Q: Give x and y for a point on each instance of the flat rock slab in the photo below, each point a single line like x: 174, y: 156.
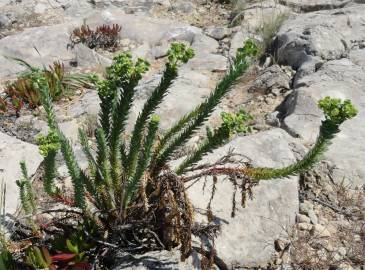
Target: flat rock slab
x: 247, y: 240
x: 315, y: 5
x: 12, y: 152
x: 41, y: 46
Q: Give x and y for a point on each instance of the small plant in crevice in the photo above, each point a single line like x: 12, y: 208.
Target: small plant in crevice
x: 23, y: 91
x: 269, y: 28
x: 90, y: 124
x: 103, y: 37
x: 137, y: 201
x: 238, y: 121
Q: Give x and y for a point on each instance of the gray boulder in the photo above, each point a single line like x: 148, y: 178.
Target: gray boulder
x: 303, y: 116
x: 42, y: 46
x: 183, y: 6
x: 218, y: 33
x: 5, y: 21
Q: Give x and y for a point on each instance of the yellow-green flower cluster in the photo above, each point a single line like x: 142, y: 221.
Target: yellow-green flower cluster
x: 49, y: 143
x: 124, y: 69
x: 179, y: 53
x: 337, y: 110
x: 249, y: 49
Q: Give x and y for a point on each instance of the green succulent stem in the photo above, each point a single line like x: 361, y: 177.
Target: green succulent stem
x: 50, y: 173
x: 336, y: 112
x: 144, y: 159
x: 213, y: 141
x: 327, y: 132
x: 150, y: 106
x: 65, y: 146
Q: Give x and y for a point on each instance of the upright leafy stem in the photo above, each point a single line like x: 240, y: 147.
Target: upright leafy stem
x: 48, y: 147
x: 177, y: 55
x: 186, y: 127
x: 231, y: 123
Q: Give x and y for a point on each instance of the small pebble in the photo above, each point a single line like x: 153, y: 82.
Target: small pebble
x: 304, y: 226
x: 302, y: 218
x: 320, y: 231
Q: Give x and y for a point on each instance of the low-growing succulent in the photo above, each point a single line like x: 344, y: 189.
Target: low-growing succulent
x: 104, y: 36
x: 24, y: 90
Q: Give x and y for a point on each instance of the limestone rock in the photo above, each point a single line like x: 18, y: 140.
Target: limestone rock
x: 320, y: 231
x: 303, y: 116
x: 12, y: 152
x: 4, y: 21
x: 313, y: 217
x: 327, y: 49
x: 218, y: 33
x: 338, y: 79
x: 270, y: 79
x: 323, y: 35
x: 42, y: 46
x: 315, y: 5
x: 183, y: 6
x: 304, y: 226
x: 305, y: 207
x: 302, y: 219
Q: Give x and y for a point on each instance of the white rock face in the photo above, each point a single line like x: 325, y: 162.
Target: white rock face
x: 315, y: 5
x: 326, y: 48
x: 247, y: 239
x: 12, y: 152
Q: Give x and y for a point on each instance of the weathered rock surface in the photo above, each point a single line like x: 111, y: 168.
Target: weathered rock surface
x: 50, y: 41
x: 315, y: 5
x: 218, y: 33
x: 42, y: 46
x: 12, y: 152
x: 320, y: 36
x: 247, y: 240
x: 272, y: 79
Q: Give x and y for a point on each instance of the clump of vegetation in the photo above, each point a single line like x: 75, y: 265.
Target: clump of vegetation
x: 104, y: 37
x: 23, y: 90
x: 132, y: 197
x: 270, y: 27
x: 70, y: 253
